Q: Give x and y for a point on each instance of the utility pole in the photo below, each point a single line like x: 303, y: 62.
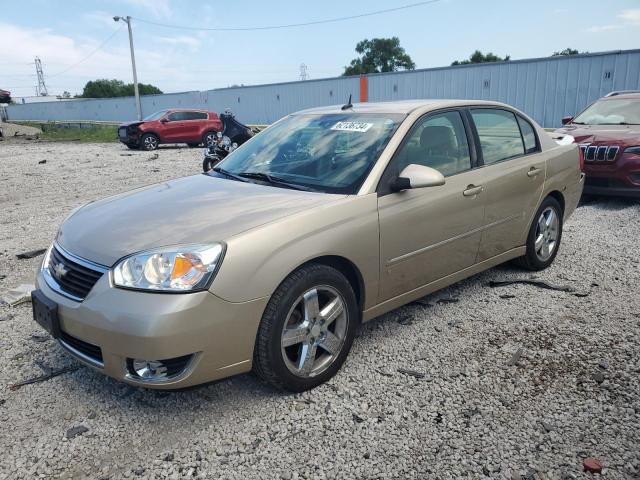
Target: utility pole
x: 303, y: 72
x: 127, y: 19
x: 41, y: 89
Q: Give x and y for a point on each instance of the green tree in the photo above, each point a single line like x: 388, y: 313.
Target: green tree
x: 567, y: 51
x: 479, y: 57
x: 104, y: 88
x: 379, y: 55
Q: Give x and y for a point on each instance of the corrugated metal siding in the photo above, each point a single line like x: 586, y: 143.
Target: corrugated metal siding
x: 546, y: 89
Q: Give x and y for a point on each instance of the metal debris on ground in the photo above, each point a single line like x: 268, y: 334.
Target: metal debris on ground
x: 31, y: 253
x: 535, y: 283
x: 75, y: 431
x: 411, y: 373
x: 41, y: 162
x: 41, y: 378
x: 515, y: 358
x: 18, y: 295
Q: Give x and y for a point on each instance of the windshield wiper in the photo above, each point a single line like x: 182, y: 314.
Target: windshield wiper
x: 229, y: 174
x: 578, y: 123
x: 265, y: 177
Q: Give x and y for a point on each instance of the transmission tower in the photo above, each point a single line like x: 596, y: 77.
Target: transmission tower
x: 303, y: 72
x: 41, y: 89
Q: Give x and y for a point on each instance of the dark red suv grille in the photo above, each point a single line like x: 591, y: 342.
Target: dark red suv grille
x: 599, y: 153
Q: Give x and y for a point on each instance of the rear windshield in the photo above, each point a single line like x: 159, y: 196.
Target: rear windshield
x: 331, y: 153
x: 619, y: 111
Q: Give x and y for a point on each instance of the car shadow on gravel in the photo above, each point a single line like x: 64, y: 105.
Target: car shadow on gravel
x: 608, y: 203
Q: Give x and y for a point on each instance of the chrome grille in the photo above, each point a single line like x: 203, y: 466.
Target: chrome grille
x: 70, y: 275
x: 599, y: 153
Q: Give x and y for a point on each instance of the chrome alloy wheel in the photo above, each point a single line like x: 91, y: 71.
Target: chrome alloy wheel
x: 209, y: 139
x: 314, y: 331
x: 150, y: 142
x: 547, y: 234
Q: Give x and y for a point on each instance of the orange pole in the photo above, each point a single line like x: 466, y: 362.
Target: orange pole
x: 364, y: 94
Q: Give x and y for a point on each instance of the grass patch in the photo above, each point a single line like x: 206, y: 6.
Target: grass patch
x: 85, y: 134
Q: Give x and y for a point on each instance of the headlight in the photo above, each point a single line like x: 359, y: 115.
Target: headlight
x: 226, y: 141
x: 172, y: 269
x: 635, y: 150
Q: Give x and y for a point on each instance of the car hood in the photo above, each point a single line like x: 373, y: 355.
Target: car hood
x: 131, y: 124
x: 196, y: 209
x: 622, y: 135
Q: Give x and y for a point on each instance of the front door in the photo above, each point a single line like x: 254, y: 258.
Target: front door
x: 175, y: 128
x: 514, y: 174
x: 429, y: 233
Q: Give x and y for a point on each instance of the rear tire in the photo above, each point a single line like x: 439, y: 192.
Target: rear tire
x: 149, y: 142
x: 209, y: 138
x: 544, y: 236
x: 306, y: 330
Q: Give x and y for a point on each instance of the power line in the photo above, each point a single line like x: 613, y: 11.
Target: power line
x: 290, y: 25
x: 88, y: 56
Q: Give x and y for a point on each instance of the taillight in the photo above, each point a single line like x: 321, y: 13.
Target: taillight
x: 581, y: 155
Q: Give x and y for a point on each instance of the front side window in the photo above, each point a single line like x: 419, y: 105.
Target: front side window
x: 499, y: 134
x: 331, y: 153
x: 176, y: 116
x: 439, y: 142
x: 611, y: 111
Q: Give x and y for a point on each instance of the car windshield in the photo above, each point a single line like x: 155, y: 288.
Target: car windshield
x: 619, y: 111
x: 155, y: 116
x: 331, y: 153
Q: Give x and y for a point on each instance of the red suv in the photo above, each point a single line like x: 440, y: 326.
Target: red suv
x: 608, y: 132
x: 193, y: 127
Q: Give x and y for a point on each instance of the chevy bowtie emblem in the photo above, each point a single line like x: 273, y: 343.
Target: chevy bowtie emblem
x: 60, y: 270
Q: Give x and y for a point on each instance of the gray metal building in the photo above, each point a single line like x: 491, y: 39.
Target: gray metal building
x: 545, y: 88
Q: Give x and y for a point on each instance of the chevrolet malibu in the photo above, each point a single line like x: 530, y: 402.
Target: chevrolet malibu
x: 329, y: 218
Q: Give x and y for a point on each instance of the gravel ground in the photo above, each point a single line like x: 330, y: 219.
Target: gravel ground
x: 514, y: 382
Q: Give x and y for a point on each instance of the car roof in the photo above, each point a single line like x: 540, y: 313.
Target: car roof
x: 400, y: 106
x: 622, y: 95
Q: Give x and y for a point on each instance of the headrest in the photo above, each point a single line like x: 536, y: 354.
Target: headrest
x: 438, y: 138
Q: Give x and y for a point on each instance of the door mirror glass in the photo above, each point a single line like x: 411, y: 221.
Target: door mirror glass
x: 566, y: 120
x: 164, y: 120
x: 417, y: 176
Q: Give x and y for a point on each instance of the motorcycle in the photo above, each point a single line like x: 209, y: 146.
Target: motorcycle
x: 232, y: 136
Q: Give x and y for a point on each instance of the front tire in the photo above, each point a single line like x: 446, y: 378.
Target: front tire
x: 307, y: 329
x: 149, y: 142
x: 544, y: 236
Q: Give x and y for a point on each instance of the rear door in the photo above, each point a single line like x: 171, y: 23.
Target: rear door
x: 429, y: 233
x: 195, y: 123
x: 514, y: 172
x: 174, y: 129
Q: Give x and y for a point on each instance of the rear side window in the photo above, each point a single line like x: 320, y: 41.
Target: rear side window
x: 499, y: 134
x: 195, y: 116
x: 528, y: 135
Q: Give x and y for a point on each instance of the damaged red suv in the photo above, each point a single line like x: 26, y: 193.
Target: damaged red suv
x: 193, y: 127
x: 608, y: 132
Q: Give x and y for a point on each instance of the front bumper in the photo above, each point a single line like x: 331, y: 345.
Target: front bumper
x: 619, y: 178
x: 128, y: 137
x: 127, y: 324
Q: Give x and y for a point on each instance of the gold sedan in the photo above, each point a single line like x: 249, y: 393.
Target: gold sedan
x: 327, y: 219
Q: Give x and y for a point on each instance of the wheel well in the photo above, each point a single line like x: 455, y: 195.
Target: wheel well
x: 348, y: 269
x: 559, y: 197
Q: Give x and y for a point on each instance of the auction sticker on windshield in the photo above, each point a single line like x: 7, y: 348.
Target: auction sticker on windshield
x: 352, y: 126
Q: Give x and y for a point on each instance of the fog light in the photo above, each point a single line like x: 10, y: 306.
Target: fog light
x: 149, y: 369
x: 158, y: 370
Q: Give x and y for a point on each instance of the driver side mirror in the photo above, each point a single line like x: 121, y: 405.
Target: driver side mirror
x: 566, y: 120
x: 164, y: 120
x: 417, y: 176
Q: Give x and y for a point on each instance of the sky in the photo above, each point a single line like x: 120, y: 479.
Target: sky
x: 78, y: 41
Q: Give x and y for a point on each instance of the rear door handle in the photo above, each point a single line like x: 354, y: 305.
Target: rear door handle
x: 534, y: 172
x: 472, y: 190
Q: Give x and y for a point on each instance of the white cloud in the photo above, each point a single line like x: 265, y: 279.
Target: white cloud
x: 99, y: 17
x: 603, y: 28
x: 157, y: 8
x: 631, y: 16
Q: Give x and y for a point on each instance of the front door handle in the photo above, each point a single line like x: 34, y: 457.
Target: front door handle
x: 472, y: 190
x: 534, y: 172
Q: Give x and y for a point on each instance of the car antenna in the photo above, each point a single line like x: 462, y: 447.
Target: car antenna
x: 347, y: 105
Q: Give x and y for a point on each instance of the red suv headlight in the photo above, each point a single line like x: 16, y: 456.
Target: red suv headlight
x: 635, y: 150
